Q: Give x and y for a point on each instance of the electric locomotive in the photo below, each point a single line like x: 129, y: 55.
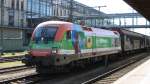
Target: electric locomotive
x: 58, y: 43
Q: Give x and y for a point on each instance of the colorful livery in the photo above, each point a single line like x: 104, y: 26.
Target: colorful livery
x: 58, y: 43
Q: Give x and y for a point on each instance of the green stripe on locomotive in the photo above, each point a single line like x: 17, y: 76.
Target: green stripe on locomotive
x: 104, y: 42
x: 42, y: 45
x: 66, y: 43
x: 97, y: 42
x: 101, y: 42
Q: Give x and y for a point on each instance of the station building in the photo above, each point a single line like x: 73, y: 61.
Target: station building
x: 57, y: 9
x: 12, y: 22
x: 18, y: 18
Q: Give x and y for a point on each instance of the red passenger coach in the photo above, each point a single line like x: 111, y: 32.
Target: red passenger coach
x: 131, y: 41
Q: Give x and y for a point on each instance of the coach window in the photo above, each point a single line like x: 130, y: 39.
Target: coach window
x: 68, y: 35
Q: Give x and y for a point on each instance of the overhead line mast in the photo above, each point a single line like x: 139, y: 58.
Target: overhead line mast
x: 70, y: 18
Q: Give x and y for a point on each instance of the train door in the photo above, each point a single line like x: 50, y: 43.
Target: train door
x: 79, y: 39
x: 75, y: 41
x: 68, y: 39
x: 77, y: 48
x: 94, y: 44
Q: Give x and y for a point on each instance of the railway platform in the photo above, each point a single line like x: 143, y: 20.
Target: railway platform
x: 139, y: 75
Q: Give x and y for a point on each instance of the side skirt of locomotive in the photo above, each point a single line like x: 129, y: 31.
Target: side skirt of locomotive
x: 58, y: 63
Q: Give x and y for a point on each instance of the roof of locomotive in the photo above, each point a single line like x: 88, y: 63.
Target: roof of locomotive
x: 102, y: 32
x: 53, y: 23
x: 97, y: 31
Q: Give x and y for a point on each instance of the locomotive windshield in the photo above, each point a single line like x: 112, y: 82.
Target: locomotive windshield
x: 44, y: 34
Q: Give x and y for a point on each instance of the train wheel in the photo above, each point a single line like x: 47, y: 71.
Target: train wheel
x: 43, y: 70
x: 39, y: 70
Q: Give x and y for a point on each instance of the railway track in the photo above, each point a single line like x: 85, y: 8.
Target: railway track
x: 11, y: 69
x: 16, y: 74
x: 11, y: 59
x: 29, y: 76
x: 24, y: 79
x: 90, y: 76
x: 114, y: 74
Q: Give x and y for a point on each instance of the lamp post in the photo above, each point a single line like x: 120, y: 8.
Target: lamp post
x: 99, y: 8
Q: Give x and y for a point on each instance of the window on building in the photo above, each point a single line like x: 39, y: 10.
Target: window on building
x: 22, y: 5
x: 61, y: 12
x: 11, y: 20
x: 21, y: 20
x: 66, y: 13
x: 1, y: 2
x: 5, y: 1
x: 17, y: 5
x: 54, y: 12
x: 13, y: 4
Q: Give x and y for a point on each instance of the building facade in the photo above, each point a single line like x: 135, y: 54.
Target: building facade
x: 19, y: 17
x: 43, y: 10
x: 12, y: 13
x: 12, y: 22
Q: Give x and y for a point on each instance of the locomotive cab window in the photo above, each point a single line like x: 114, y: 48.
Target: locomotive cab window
x: 44, y: 34
x: 68, y: 34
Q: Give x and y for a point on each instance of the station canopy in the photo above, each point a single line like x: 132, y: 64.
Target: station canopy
x: 142, y: 6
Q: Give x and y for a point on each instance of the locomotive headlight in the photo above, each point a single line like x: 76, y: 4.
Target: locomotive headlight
x: 54, y: 50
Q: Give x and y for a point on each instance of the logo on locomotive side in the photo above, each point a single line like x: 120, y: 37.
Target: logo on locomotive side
x: 89, y: 42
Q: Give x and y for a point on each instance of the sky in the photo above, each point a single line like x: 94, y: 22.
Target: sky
x: 112, y: 6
